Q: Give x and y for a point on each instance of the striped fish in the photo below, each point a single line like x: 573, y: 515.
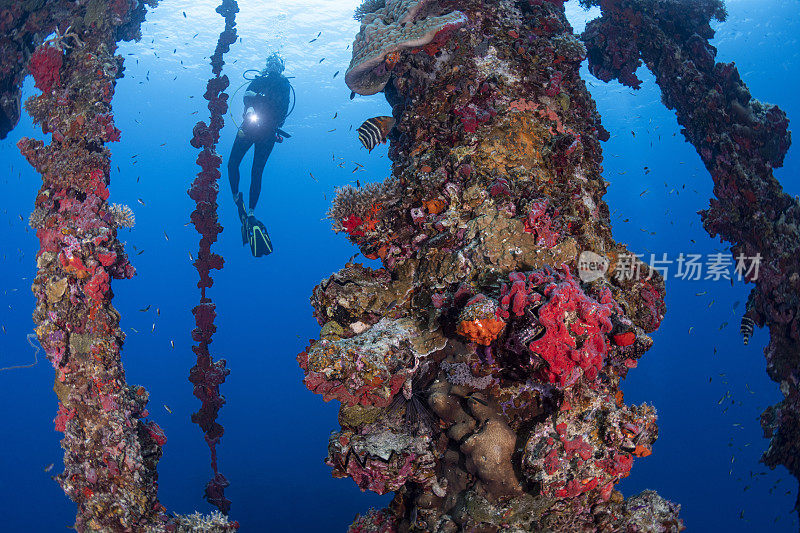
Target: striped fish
x: 746, y: 329
x: 374, y: 131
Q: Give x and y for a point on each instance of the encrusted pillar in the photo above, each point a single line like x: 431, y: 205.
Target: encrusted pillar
x: 479, y: 369
x: 110, y: 449
x: 740, y: 140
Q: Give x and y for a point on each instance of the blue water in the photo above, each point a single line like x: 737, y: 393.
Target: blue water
x: 276, y: 431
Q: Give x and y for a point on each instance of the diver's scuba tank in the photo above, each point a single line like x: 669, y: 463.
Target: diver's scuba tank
x: 257, y: 74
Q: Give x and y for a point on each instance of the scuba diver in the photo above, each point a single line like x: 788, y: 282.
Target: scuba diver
x: 266, y: 108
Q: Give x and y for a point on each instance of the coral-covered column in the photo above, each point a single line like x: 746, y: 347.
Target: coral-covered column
x: 740, y: 141
x: 110, y: 450
x: 479, y: 369
x: 207, y: 375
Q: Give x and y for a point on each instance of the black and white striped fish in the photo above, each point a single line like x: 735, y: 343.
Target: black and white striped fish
x: 746, y: 329
x: 374, y: 131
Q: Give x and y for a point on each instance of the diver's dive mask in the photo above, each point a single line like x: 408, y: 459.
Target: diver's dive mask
x: 275, y: 64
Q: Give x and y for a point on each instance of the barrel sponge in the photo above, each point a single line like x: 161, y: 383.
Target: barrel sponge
x: 390, y: 29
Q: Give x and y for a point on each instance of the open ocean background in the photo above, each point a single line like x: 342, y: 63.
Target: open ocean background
x: 276, y: 435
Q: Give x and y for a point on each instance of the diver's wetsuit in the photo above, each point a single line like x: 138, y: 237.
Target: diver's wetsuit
x: 269, y: 97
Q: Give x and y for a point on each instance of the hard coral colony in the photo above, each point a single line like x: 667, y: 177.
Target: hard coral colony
x: 495, y: 188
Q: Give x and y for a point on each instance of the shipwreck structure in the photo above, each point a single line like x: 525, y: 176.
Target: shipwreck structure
x: 111, y: 449
x: 740, y: 140
x: 478, y: 374
x: 479, y: 367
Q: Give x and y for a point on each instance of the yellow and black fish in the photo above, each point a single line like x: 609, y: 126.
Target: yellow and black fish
x: 374, y: 131
x: 746, y: 328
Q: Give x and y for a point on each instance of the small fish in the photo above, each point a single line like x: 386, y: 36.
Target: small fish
x: 482, y: 402
x: 374, y: 131
x: 140, y: 201
x: 312, y: 177
x: 172, y: 343
x: 701, y: 293
x: 321, y: 60
x: 167, y: 408
x: 312, y: 40
x: 191, y: 257
x: 145, y: 309
x: 334, y: 116
x: 184, y: 14
x: 166, y: 236
x: 746, y: 329
x: 643, y: 192
x: 49, y: 467
x: 154, y: 327
x: 335, y: 73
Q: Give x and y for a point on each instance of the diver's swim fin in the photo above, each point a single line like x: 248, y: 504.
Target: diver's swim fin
x: 260, y: 243
x: 284, y: 134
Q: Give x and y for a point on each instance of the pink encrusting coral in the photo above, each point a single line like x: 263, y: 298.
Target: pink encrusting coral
x: 382, y: 461
x: 574, y: 327
x: 24, y: 26
x: 570, y: 458
x: 540, y: 223
x: 479, y: 377
x: 740, y: 140
x: 367, y: 369
x: 45, y: 64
